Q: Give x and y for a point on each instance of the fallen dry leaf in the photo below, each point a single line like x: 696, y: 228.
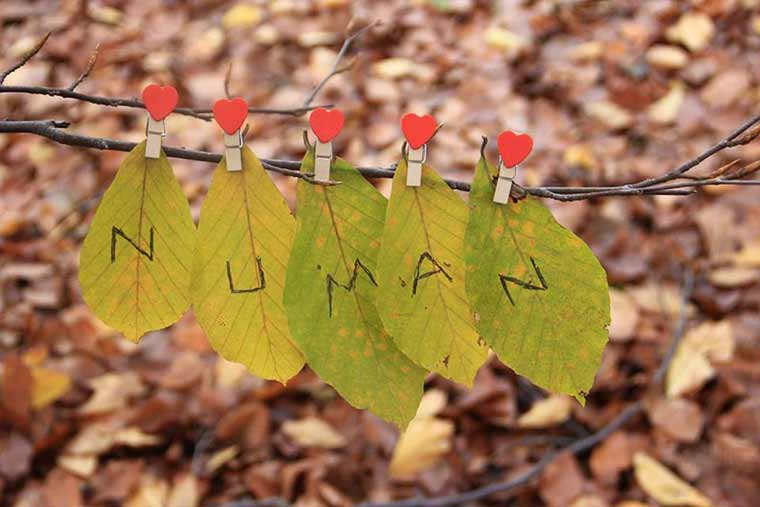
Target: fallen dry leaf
x: 394, y: 68
x: 49, y: 385
x: 748, y: 256
x: 313, y: 432
x: 112, y: 391
x: 219, y: 458
x: 504, y: 40
x: 611, y: 457
x: 81, y: 466
x: 547, y: 412
x: 691, y: 366
x: 93, y: 440
x: 667, y: 57
x: 562, y: 482
x: 61, y: 489
x: 609, y: 114
x: 679, y: 419
x: 589, y: 501
x: 581, y: 155
x: 135, y: 437
x: 186, y: 492
x: 660, y: 298
x: 242, y: 16
x: 229, y: 374
x: 694, y: 30
x: 152, y: 492
x: 425, y: 440
x: 625, y: 316
x: 731, y: 277
x: 665, y: 110
x: 665, y: 486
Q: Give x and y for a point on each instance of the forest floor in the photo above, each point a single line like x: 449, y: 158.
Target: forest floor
x: 610, y: 91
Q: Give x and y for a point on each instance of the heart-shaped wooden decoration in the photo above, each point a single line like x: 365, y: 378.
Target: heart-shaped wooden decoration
x: 230, y: 114
x: 513, y: 147
x: 160, y: 101
x: 326, y: 124
x: 417, y: 129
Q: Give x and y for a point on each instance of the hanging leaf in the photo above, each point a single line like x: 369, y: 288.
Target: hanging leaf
x: 331, y: 290
x: 135, y: 261
x: 421, y: 295
x: 244, y: 238
x: 539, y: 294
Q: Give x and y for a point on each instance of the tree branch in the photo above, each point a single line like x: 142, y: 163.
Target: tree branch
x: 335, y: 68
x: 53, y: 130
x: 70, y: 93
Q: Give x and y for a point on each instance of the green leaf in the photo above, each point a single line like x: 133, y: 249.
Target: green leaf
x: 421, y: 297
x: 135, y: 261
x: 539, y: 293
x: 244, y: 238
x: 330, y: 295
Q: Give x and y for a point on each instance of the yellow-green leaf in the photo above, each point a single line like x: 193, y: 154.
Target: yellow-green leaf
x: 421, y: 296
x: 539, y: 294
x: 135, y: 261
x: 330, y: 296
x: 244, y: 238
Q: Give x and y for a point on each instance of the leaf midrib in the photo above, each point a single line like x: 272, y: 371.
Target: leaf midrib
x: 139, y: 240
x: 253, y: 251
x: 437, y: 279
x: 367, y: 326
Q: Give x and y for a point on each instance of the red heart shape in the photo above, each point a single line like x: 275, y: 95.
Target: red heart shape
x: 417, y: 129
x: 514, y: 148
x: 326, y: 124
x: 230, y: 114
x: 160, y: 101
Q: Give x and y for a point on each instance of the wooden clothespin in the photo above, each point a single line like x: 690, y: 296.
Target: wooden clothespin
x: 417, y: 130
x: 230, y: 114
x: 513, y: 149
x: 326, y: 125
x: 160, y: 101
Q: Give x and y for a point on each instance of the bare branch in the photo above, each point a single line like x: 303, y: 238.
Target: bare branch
x: 28, y: 56
x: 52, y: 130
x: 202, y: 114
x: 336, y: 69
x: 733, y: 139
x: 227, y: 78
x: 87, y: 70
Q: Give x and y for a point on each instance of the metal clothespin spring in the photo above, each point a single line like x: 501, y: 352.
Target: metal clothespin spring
x: 155, y: 130
x: 504, y: 183
x: 323, y: 156
x: 233, y: 154
x: 415, y: 158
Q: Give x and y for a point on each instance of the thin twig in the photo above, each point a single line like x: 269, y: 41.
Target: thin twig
x: 87, y: 70
x: 202, y: 114
x: 335, y: 67
x: 733, y: 139
x: 227, y: 79
x: 28, y: 56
